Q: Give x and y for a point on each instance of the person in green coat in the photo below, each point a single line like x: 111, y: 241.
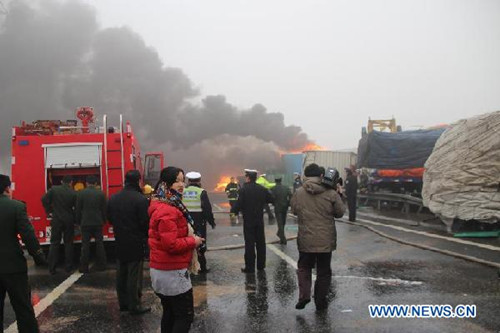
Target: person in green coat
x: 90, y: 215
x: 59, y: 202
x: 281, y: 195
x: 13, y: 269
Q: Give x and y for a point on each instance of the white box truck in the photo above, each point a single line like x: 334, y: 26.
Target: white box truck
x: 327, y: 158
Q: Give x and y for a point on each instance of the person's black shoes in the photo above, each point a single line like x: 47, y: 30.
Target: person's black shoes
x: 246, y: 270
x: 204, y: 271
x: 52, y: 272
x: 123, y: 308
x: 139, y: 311
x: 302, y: 304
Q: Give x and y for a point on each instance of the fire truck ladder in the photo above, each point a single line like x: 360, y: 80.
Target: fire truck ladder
x: 115, y: 173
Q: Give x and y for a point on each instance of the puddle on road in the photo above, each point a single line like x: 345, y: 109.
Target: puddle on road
x: 58, y: 324
x: 202, y: 292
x: 397, y: 275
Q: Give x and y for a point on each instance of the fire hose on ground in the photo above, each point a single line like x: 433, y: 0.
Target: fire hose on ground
x: 382, y: 234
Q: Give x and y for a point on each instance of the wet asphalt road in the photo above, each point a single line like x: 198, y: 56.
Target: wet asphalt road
x: 227, y: 300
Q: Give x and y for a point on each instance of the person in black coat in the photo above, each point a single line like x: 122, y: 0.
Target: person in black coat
x: 351, y: 192
x: 59, y: 203
x: 127, y: 211
x: 252, y: 198
x: 13, y: 269
x: 90, y: 213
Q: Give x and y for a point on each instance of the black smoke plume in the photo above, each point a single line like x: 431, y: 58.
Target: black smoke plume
x: 54, y: 57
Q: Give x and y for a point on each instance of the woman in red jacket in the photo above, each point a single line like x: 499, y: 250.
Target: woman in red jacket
x: 171, y: 251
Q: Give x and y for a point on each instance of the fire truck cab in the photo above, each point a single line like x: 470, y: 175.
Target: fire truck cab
x: 44, y: 151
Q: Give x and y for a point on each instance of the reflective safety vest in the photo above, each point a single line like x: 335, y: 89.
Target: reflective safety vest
x: 264, y: 182
x: 232, y: 191
x: 192, y: 198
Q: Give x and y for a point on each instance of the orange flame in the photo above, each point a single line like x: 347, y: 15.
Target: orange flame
x: 221, y: 185
x: 307, y: 147
x: 312, y: 146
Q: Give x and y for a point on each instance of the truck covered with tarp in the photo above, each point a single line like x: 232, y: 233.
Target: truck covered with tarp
x: 398, y: 150
x: 462, y: 175
x: 395, y: 161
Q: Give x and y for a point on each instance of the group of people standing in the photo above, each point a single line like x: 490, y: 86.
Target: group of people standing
x: 67, y: 208
x: 174, y: 221
x: 171, y: 223
x: 316, y: 207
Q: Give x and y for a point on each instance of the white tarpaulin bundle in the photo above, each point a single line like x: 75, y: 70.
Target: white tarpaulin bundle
x: 462, y: 175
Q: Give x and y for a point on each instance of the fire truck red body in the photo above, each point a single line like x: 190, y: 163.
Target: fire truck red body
x: 45, y: 151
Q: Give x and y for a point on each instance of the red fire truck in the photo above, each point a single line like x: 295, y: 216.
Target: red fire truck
x: 44, y: 151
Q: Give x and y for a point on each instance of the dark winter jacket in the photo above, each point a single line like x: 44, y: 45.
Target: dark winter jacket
x: 14, y: 221
x: 281, y: 195
x: 252, y: 198
x: 90, y: 208
x: 60, y: 201
x: 232, y: 191
x: 351, y: 186
x: 128, y: 213
x: 316, y: 207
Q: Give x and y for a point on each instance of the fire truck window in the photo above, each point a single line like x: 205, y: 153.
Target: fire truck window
x: 134, y: 157
x: 151, y: 164
x: 152, y: 170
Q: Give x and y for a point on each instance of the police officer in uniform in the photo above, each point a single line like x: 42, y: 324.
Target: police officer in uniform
x: 195, y: 198
x: 251, y: 201
x: 60, y: 202
x: 13, y: 269
x: 232, y: 194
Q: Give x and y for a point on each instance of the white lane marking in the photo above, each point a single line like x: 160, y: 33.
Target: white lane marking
x: 424, y: 233
x: 218, y: 207
x: 381, y: 280
x: 282, y: 255
x: 50, y: 298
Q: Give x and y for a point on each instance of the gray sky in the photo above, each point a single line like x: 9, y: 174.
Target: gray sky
x: 328, y: 65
